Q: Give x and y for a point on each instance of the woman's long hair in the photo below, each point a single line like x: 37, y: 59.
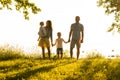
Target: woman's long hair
x: 49, y: 24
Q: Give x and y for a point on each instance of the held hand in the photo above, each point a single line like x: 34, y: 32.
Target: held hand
x: 38, y: 39
x: 65, y: 42
x: 68, y: 40
x: 81, y: 41
x: 52, y: 44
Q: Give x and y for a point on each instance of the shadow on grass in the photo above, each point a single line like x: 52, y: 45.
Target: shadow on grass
x: 7, y: 66
x: 31, y: 72
x: 27, y: 73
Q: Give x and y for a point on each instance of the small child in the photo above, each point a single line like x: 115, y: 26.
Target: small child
x: 59, y: 45
x: 42, y: 31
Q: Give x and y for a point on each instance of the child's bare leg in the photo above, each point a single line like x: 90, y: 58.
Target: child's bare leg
x: 61, y: 55
x: 58, y: 55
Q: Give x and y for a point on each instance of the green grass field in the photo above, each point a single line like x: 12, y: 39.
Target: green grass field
x: 14, y: 65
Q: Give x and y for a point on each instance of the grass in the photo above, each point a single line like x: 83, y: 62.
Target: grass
x: 14, y: 65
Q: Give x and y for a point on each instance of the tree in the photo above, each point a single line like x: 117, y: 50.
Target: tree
x: 20, y: 5
x: 112, y: 7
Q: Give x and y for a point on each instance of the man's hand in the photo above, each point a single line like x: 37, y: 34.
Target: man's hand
x: 82, y: 41
x: 52, y: 44
x: 68, y: 40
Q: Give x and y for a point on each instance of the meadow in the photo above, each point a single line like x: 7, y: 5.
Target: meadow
x: 15, y: 65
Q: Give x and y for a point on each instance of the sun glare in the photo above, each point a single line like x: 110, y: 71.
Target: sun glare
x: 15, y: 30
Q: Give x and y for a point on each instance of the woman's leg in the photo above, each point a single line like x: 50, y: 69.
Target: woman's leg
x: 43, y: 52
x: 49, y: 53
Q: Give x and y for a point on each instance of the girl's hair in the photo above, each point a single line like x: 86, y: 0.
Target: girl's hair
x: 41, y: 23
x: 49, y: 24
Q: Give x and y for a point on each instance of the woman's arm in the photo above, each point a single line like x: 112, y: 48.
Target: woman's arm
x: 51, y: 36
x: 54, y: 43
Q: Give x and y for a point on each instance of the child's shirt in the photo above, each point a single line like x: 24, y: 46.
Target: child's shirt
x: 42, y: 32
x: 59, y: 42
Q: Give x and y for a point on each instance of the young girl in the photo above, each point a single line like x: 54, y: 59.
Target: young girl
x: 59, y: 45
x: 42, y: 31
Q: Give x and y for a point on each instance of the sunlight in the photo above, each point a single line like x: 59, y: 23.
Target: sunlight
x: 15, y: 30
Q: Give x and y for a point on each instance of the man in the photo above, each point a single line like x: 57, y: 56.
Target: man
x: 77, y: 33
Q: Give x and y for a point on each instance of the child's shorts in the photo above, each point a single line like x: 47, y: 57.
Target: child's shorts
x: 59, y: 50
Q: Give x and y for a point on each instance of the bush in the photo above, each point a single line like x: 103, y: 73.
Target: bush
x: 94, y: 54
x: 8, y: 53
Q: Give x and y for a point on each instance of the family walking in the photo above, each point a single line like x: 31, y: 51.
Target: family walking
x: 45, y: 40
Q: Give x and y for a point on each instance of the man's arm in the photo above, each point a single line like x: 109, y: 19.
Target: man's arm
x: 70, y: 35
x: 51, y: 37
x: 82, y: 34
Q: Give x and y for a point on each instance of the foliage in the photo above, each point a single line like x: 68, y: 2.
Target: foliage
x: 112, y: 7
x: 20, y: 67
x: 94, y: 54
x: 30, y: 68
x: 10, y: 52
x: 65, y: 69
x: 20, y: 5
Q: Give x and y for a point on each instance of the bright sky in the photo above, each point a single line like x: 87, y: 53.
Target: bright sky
x: 15, y: 30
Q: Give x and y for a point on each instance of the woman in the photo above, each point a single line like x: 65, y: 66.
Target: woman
x: 45, y: 41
